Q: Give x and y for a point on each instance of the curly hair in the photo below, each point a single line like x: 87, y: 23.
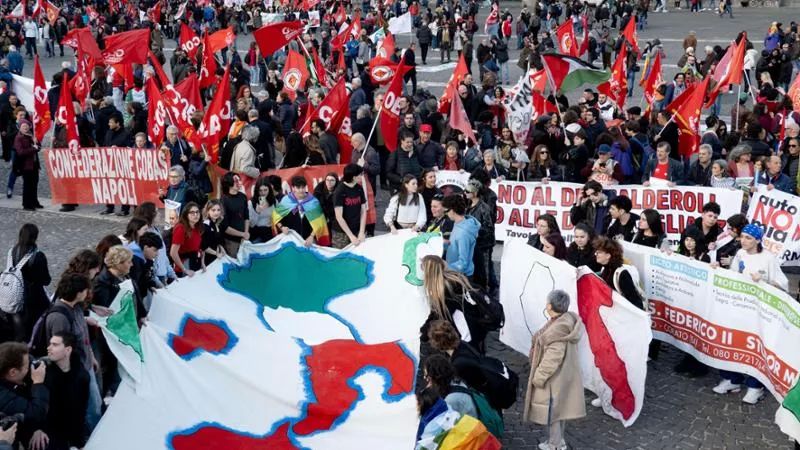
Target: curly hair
x: 443, y: 336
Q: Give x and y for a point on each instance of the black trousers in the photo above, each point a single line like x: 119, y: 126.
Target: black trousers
x: 411, y: 75
x: 30, y: 184
x: 424, y: 48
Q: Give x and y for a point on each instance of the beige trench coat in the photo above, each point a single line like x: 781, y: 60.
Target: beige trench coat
x: 555, y: 389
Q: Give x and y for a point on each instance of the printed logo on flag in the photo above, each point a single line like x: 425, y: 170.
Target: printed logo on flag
x: 292, y: 79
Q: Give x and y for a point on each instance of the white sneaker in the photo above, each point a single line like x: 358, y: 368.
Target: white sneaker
x: 753, y: 395
x: 597, y: 402
x: 726, y: 386
x: 546, y: 446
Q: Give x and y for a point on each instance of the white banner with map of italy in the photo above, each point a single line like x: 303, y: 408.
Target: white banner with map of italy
x: 287, y: 347
x: 520, y: 203
x: 779, y: 214
x: 722, y: 318
x: 612, y: 351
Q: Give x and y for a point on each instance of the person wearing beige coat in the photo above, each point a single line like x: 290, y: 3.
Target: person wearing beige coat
x: 555, y: 389
x: 243, y: 159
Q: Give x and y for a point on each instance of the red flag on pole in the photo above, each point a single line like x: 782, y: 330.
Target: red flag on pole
x: 585, y: 41
x: 728, y: 71
x: 129, y: 47
x: 387, y: 46
x: 295, y: 73
x: 452, y: 85
x: 629, y: 33
x: 319, y: 67
x: 65, y: 115
x: 685, y: 110
x: 616, y: 88
x: 272, y: 37
x: 381, y: 70
x: 154, y: 13
x: 217, y: 119
x: 565, y: 38
x: 41, y: 111
x: 157, y: 113
x: 459, y: 121
x: 390, y: 112
x: 343, y: 135
x: 189, y: 41
x: 208, y: 68
x: 652, y: 82
x: 221, y: 39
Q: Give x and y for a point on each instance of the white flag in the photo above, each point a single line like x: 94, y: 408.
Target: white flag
x: 400, y: 24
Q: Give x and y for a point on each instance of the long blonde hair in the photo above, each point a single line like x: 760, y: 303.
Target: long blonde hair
x: 439, y: 281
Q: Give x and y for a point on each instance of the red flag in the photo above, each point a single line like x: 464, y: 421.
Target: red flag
x: 272, y: 37
x: 319, y: 68
x: 189, y: 89
x: 208, y: 68
x: 585, y: 40
x: 189, y: 41
x: 728, y: 71
x: 157, y: 113
x: 65, y: 115
x: 538, y: 80
x: 154, y: 13
x: 295, y: 73
x: 331, y: 109
x: 51, y: 11
x: 685, y: 111
x: 181, y: 10
x: 629, y: 33
x: 19, y: 11
x: 129, y: 47
x: 381, y: 70
x: 82, y: 41
x: 565, y: 38
x: 616, y: 88
x: 163, y: 80
x: 41, y: 111
x: 355, y: 30
x: 221, y: 39
x: 387, y: 46
x: 794, y: 93
x: 38, y: 8
x: 345, y: 35
x: 217, y: 119
x: 340, y: 15
x: 340, y: 64
x: 458, y: 119
x: 652, y: 82
x: 343, y: 135
x: 390, y: 113
x: 541, y: 106
x: 452, y: 85
x: 80, y: 86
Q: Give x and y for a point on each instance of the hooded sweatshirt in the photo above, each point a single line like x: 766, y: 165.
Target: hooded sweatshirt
x: 462, y: 245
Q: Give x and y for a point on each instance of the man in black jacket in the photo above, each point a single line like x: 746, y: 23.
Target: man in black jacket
x: 402, y: 162
x: 117, y: 136
x: 263, y: 145
x: 16, y: 397
x: 700, y: 170
x: 668, y: 132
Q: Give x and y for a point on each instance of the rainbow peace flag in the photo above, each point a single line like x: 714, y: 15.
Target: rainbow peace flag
x: 468, y: 433
x: 312, y: 210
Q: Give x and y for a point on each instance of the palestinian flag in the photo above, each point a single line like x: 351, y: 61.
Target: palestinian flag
x: 568, y: 72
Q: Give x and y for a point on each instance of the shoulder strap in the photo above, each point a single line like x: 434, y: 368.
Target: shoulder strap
x: 21, y: 262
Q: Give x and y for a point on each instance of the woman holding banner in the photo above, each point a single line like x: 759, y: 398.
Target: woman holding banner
x: 761, y: 266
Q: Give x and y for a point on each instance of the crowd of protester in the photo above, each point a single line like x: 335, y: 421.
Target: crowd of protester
x: 591, y: 141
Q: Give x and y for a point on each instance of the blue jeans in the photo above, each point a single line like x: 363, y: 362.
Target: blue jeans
x: 631, y: 82
x: 738, y: 378
x: 94, y: 405
x: 504, y: 76
x: 12, y: 177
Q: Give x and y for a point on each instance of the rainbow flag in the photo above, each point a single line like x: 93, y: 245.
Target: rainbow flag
x: 468, y: 433
x: 312, y: 210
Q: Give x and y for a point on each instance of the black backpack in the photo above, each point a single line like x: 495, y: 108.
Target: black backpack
x: 501, y: 383
x: 226, y: 154
x: 39, y: 342
x: 482, y: 310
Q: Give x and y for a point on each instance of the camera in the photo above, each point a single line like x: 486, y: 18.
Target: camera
x: 7, y: 421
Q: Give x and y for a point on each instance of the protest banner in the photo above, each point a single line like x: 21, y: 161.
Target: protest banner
x: 253, y: 353
x: 779, y: 214
x: 722, y: 318
x: 613, y: 349
x: 106, y: 175
x: 519, y: 204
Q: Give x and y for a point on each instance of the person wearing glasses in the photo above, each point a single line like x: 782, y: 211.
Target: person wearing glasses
x: 790, y: 156
x: 178, y: 189
x: 187, y: 238
x: 543, y: 166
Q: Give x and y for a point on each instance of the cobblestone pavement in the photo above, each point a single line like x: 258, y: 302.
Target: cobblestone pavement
x: 678, y: 412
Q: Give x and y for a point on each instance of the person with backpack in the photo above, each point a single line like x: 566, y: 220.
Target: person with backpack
x: 489, y: 376
x: 555, y: 387
x: 440, y: 374
x: 484, y: 214
x: 451, y: 297
x: 22, y: 295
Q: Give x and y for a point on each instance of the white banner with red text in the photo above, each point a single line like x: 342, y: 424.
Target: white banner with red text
x: 779, y: 214
x: 722, y: 318
x: 520, y: 203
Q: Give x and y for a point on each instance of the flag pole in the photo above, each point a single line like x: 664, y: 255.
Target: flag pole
x: 374, y: 123
x: 738, y: 96
x: 553, y: 92
x: 312, y: 66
